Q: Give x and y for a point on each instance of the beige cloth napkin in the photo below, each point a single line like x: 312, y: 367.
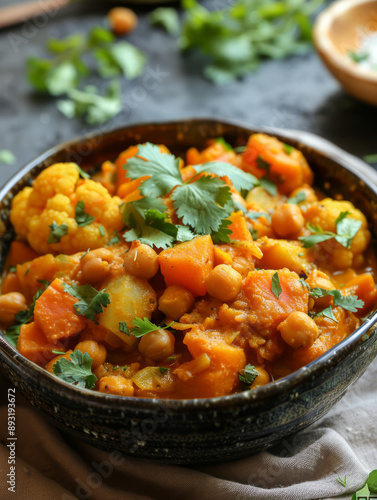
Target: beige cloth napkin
x: 51, y: 466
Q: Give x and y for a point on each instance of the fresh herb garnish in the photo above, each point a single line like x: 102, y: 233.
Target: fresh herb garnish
x: 81, y: 217
x: 370, y: 158
x: 7, y: 157
x: 163, y: 370
x: 12, y: 269
x: 268, y: 185
x: 275, y: 285
x: 96, y: 109
x: 346, y: 229
x: 253, y: 215
x: 222, y: 141
x: 144, y: 326
x: 349, y: 302
x: 287, y: 148
x: 77, y: 371
x: 91, y: 301
x: 250, y: 373
x: 27, y: 271
x: 101, y: 231
x: 167, y: 18
x: 370, y: 486
x: 299, y: 198
x: 341, y: 481
x: 85, y: 253
x: 54, y: 351
x: 254, y: 234
x: 328, y: 313
x: 123, y: 327
x: 83, y: 174
x: 114, y: 239
x: 57, y: 232
x: 236, y: 39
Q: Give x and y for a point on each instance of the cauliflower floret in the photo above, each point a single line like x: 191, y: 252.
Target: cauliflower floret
x: 324, y: 213
x: 53, y: 198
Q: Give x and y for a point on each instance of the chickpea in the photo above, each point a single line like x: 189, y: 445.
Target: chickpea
x: 96, y: 351
x: 111, y: 384
x: 263, y: 378
x: 310, y: 196
x: 176, y: 301
x: 224, y: 283
x: 318, y: 279
x: 287, y: 220
x: 122, y: 20
x: 10, y: 304
x: 298, y: 330
x: 141, y: 260
x: 95, y: 265
x: 157, y: 345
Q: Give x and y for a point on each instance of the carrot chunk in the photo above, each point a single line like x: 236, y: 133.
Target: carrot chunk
x: 239, y: 228
x: 188, y: 264
x: 33, y: 344
x: 55, y: 315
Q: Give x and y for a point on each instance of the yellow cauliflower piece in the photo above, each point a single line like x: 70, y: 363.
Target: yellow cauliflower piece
x: 324, y: 213
x: 53, y: 198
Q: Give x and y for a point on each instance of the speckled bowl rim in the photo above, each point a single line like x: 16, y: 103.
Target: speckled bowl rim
x: 364, y: 172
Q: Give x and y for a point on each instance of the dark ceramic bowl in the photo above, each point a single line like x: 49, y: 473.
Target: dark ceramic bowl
x: 201, y: 430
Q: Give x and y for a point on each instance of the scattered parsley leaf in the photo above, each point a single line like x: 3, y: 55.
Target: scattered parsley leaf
x: 57, y: 352
x: 115, y: 239
x: 123, y: 327
x: 287, y: 148
x: 222, y: 141
x: 341, y: 481
x: 349, y: 302
x: 121, y: 58
x: 240, y: 149
x: 57, y: 232
x: 167, y: 18
x: 275, y: 285
x: 45, y: 283
x: 304, y: 283
x: 91, y: 301
x: 95, y: 108
x: 328, y: 313
x: 27, y: 271
x: 249, y: 375
x: 12, y: 269
x: 81, y: 217
x: 357, y: 56
x: 268, y: 185
x: 262, y: 164
x: 77, y: 371
x: 239, y: 178
x: 253, y: 215
x: 101, y: 231
x: 370, y: 158
x: 163, y: 370
x: 7, y: 157
x: 144, y: 326
x: 299, y: 198
x: 222, y: 235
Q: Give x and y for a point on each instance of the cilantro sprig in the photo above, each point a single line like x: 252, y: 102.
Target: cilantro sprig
x: 370, y: 486
x: 76, y: 371
x: 346, y: 229
x: 275, y: 285
x: 91, y: 301
x: 141, y: 327
x: 349, y: 302
x: 250, y: 373
x: 202, y: 202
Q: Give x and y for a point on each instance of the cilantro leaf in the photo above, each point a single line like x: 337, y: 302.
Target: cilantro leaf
x: 114, y: 239
x: 268, y: 185
x: 157, y: 220
x: 95, y: 108
x: 162, y: 168
x: 83, y: 174
x: 57, y: 232
x: 7, y: 157
x: 346, y: 229
x: 222, y: 235
x: 349, y: 302
x: 328, y: 313
x: 81, y: 217
x: 276, y: 286
x: 144, y: 326
x: 287, y: 148
x: 201, y: 204
x: 299, y: 198
x: 250, y: 373
x: 262, y: 164
x: 167, y: 18
x: 121, y: 58
x: 123, y: 327
x: 226, y: 145
x: 253, y: 215
x: 254, y: 234
x: 91, y: 301
x: 77, y: 371
x: 163, y: 370
x: 239, y: 178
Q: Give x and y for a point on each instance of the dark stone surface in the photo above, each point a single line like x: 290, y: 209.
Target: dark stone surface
x: 294, y: 93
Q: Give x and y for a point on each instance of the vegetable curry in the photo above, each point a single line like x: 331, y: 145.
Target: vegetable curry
x: 159, y: 277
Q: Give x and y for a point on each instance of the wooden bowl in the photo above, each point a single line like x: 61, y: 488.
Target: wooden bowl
x: 200, y: 430
x: 337, y: 31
